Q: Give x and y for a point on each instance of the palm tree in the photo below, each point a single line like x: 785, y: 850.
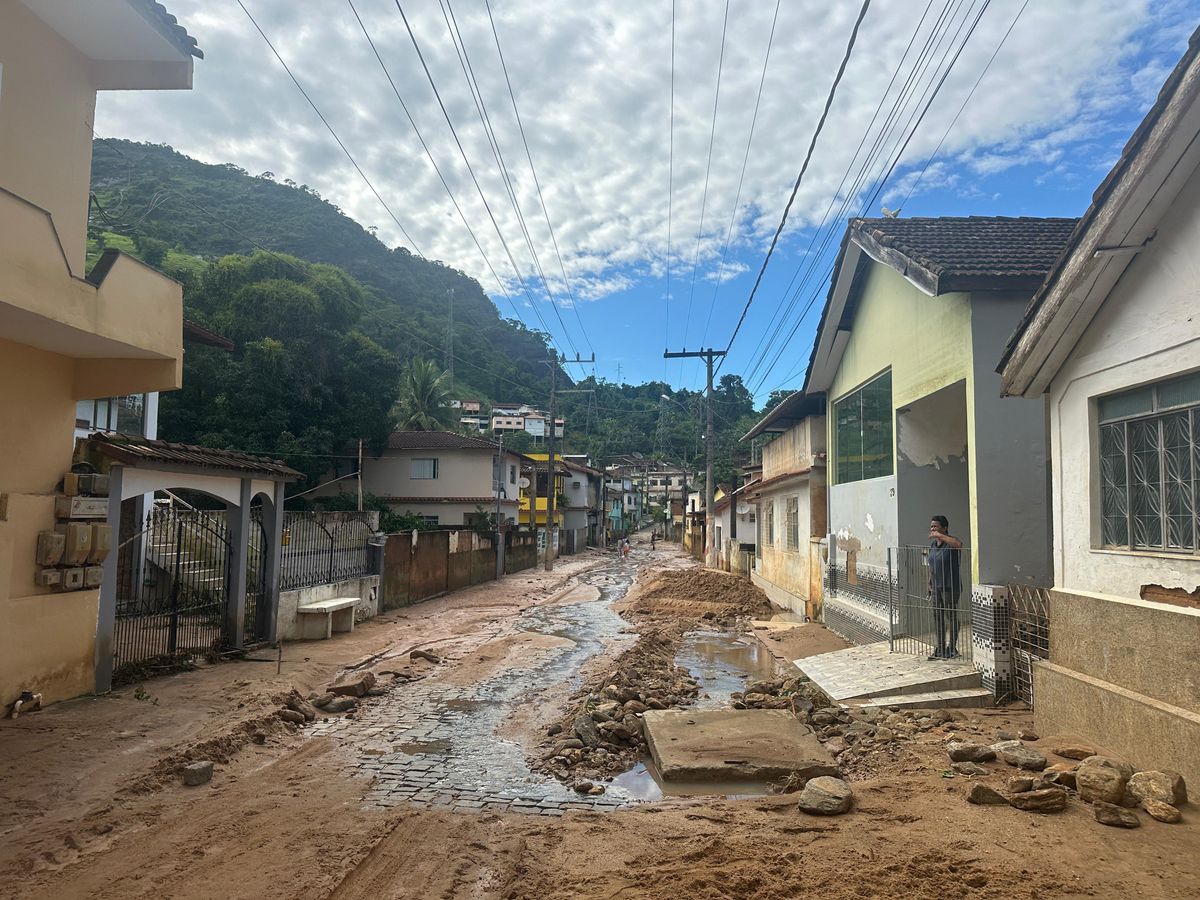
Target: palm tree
x: 424, y: 402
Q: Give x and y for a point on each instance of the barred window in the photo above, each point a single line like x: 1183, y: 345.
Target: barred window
x: 1150, y: 466
x: 769, y: 533
x: 793, y: 523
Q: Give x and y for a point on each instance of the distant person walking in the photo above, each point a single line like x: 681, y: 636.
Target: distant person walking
x: 945, y: 586
x: 653, y: 537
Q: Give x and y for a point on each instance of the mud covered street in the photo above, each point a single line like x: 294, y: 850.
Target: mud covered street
x: 453, y: 778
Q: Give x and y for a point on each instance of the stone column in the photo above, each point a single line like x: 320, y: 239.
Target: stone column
x: 106, y: 620
x: 273, y: 537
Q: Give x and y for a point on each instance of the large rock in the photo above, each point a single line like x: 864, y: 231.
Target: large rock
x: 965, y: 768
x: 1108, y: 762
x: 966, y: 751
x: 825, y: 796
x: 290, y: 715
x: 586, y: 731
x: 1163, y: 812
x: 982, y: 795
x: 1167, y: 787
x: 1050, y: 799
x: 354, y: 685
x: 1073, y: 751
x: 341, y: 704
x: 197, y: 773
x: 1019, y: 755
x: 1118, y: 817
x: 1100, y: 784
x: 302, y: 706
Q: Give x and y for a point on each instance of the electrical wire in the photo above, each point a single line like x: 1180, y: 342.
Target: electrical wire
x: 325, y: 121
x: 670, y: 195
x: 803, y: 168
x: 536, y: 181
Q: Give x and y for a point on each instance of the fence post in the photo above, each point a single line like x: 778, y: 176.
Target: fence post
x: 106, y: 623
x: 273, y: 572
x: 891, y: 607
x: 238, y: 534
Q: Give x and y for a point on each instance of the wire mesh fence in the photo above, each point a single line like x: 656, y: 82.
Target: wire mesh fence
x: 1029, y: 616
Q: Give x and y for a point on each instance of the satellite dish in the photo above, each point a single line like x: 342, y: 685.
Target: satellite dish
x: 742, y: 508
x: 523, y: 481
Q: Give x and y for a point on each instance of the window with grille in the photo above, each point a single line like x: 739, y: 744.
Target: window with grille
x: 793, y: 523
x: 862, y: 432
x: 769, y: 532
x: 1150, y: 466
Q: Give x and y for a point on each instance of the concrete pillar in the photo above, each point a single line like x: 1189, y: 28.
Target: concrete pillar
x: 273, y: 537
x: 239, y: 556
x: 106, y: 621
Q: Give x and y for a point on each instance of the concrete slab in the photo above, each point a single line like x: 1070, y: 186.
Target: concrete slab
x: 733, y: 745
x: 959, y: 698
x: 859, y: 673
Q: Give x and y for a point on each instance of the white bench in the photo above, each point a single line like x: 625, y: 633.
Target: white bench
x: 319, y: 620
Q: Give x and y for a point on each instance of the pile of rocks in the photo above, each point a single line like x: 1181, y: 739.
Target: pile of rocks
x: 1112, y: 787
x: 602, y: 734
x: 865, y: 738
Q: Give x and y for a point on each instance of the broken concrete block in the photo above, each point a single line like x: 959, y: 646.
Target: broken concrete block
x: 354, y: 685
x: 198, y: 773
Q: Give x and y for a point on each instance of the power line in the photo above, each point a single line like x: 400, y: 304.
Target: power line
x: 670, y: 193
x: 429, y: 155
x: 325, y: 121
x: 741, y: 177
x: 468, y: 70
x: 803, y: 168
x: 536, y: 181
x: 467, y: 162
x: 707, y: 171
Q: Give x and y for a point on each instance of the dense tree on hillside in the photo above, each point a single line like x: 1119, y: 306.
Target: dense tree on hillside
x: 159, y: 199
x: 302, y: 381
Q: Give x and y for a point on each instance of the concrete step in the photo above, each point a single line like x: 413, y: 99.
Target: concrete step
x: 962, y: 697
x: 868, y: 671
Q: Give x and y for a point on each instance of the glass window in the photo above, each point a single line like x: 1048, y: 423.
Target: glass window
x: 1150, y: 467
x: 863, y: 432
x: 422, y: 468
x: 512, y: 474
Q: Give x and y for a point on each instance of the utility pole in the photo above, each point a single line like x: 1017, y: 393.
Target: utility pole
x: 500, y: 482
x: 709, y: 489
x: 450, y: 336
x: 360, y: 443
x: 555, y: 361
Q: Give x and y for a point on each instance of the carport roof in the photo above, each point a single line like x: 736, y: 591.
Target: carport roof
x: 138, y: 451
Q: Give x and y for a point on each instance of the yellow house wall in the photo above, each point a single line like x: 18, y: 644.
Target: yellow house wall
x: 47, y: 104
x: 47, y: 639
x: 926, y: 342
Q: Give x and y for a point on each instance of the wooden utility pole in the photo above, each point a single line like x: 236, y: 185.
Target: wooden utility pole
x: 709, y: 488
x: 555, y: 361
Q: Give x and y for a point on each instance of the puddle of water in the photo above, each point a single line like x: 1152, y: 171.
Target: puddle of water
x: 643, y: 782
x: 723, y: 663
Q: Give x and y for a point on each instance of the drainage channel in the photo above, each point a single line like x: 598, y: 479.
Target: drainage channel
x: 437, y: 744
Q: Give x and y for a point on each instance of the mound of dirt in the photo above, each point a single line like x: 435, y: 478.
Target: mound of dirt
x: 699, y: 593
x: 601, y: 732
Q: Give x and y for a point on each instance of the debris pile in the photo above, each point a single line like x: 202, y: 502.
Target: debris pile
x: 699, y: 594
x: 1112, y: 787
x: 601, y: 734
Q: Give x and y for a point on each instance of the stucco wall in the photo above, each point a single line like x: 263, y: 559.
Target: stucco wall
x: 1009, y: 456
x: 1146, y: 330
x: 788, y: 569
x: 863, y: 516
x: 46, y: 104
x: 461, y: 473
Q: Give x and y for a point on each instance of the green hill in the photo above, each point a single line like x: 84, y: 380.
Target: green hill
x: 147, y: 193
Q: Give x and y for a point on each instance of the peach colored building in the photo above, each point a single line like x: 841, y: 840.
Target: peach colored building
x: 66, y: 334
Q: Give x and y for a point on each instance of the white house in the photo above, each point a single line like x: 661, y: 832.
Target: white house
x: 1113, y: 340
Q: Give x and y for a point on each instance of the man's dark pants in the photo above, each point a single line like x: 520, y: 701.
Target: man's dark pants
x: 945, y: 618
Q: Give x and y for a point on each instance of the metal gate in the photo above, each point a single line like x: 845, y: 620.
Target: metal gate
x: 930, y: 608
x: 1029, y: 624
x: 172, y: 589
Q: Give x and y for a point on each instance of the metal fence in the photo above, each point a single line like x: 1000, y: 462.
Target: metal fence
x: 324, y: 547
x: 1029, y: 621
x: 930, y: 603
x: 172, y: 588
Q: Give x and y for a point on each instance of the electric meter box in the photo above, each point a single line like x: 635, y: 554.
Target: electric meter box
x: 101, y: 542
x: 50, y: 548
x: 78, y: 536
x: 72, y: 579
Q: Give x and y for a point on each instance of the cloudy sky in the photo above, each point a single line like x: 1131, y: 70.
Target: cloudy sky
x: 632, y: 201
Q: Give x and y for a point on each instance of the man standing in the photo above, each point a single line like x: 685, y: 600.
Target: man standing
x: 945, y: 586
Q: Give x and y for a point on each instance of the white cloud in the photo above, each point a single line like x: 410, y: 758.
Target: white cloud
x: 592, y: 84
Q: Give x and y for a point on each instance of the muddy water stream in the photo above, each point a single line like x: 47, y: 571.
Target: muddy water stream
x: 437, y: 744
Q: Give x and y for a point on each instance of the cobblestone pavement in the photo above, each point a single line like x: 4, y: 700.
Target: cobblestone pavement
x: 432, y: 744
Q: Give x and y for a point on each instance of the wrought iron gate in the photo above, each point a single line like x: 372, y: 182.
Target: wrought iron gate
x: 172, y: 588
x: 1029, y: 624
x: 256, y: 618
x: 930, y: 611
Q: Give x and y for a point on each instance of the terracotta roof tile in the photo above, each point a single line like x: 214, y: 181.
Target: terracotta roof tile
x: 132, y: 450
